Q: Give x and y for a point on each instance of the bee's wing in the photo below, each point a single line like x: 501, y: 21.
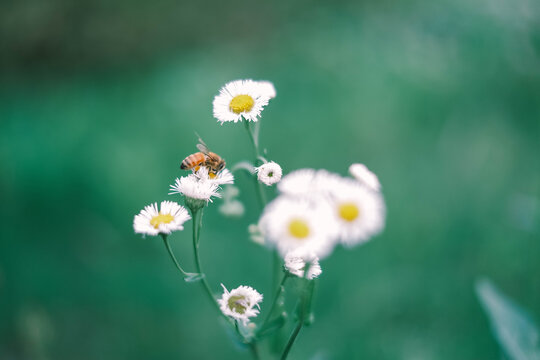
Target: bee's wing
x: 202, y: 146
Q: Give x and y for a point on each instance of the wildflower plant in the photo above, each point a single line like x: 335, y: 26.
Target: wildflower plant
x: 314, y: 211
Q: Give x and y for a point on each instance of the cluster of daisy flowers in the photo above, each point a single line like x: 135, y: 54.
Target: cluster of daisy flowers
x: 313, y: 212
x: 317, y: 209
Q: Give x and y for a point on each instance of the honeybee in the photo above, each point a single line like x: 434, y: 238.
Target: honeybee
x: 212, y: 161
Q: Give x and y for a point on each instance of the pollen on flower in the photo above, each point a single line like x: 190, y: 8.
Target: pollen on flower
x: 212, y: 175
x: 298, y: 228
x: 241, y: 103
x: 161, y: 219
x: 235, y: 304
x: 348, y: 211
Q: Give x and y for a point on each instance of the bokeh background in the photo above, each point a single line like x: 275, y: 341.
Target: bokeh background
x: 100, y: 101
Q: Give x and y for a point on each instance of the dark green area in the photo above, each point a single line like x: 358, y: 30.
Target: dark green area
x: 440, y: 99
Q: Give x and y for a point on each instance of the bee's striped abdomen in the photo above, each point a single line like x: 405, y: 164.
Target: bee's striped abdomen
x: 192, y: 160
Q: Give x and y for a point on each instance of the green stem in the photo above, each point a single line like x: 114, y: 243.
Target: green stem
x: 302, y: 316
x: 292, y: 339
x: 255, y: 142
x: 254, y: 139
x: 168, y: 246
x: 261, y: 194
x: 275, y: 301
x: 197, y: 224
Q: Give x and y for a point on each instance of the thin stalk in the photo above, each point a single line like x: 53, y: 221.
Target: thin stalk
x: 292, y: 339
x: 255, y: 142
x: 197, y: 224
x: 254, y: 137
x: 275, y: 301
x: 302, y: 317
x: 253, y: 132
x: 168, y: 246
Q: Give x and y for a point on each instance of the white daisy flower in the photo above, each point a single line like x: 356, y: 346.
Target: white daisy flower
x: 240, y: 99
x: 151, y: 221
x: 240, y: 303
x: 299, y: 224
x: 199, y: 187
x: 296, y: 265
x: 269, y: 173
x: 267, y: 89
x: 232, y: 208
x: 358, y: 211
x: 193, y: 187
x: 361, y: 173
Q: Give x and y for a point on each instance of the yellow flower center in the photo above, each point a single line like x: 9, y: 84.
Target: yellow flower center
x: 161, y: 219
x: 235, y: 304
x: 212, y: 175
x: 298, y: 228
x: 241, y: 103
x: 348, y: 211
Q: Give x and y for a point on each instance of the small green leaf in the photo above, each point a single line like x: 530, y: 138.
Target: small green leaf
x: 512, y: 326
x: 193, y: 277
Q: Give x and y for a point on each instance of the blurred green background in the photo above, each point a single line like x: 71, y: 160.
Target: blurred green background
x: 99, y: 102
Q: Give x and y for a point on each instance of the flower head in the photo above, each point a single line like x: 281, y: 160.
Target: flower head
x: 361, y: 173
x: 241, y: 99
x: 151, y: 221
x: 269, y: 173
x: 193, y: 187
x: 199, y: 187
x: 358, y: 211
x: 304, y: 225
x: 240, y: 303
x: 296, y: 265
